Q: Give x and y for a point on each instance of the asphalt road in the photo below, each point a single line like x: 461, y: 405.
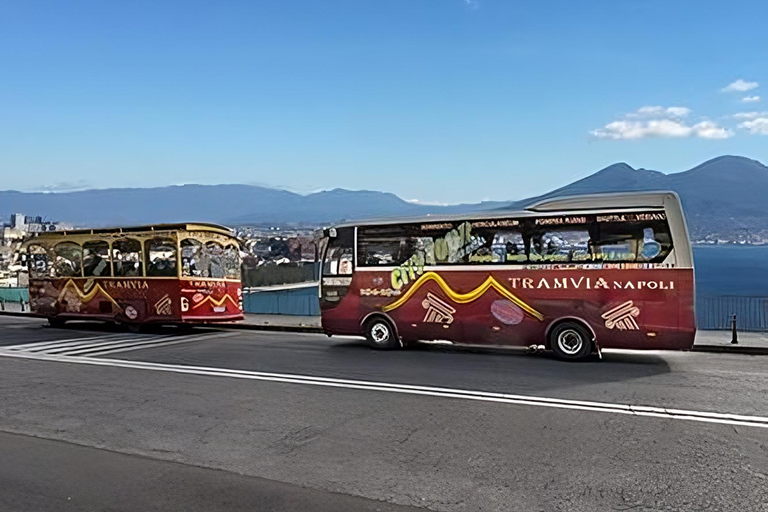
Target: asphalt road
x: 100, y: 419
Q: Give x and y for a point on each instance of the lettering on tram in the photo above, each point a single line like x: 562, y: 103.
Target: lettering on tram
x: 172, y: 273
x: 576, y: 275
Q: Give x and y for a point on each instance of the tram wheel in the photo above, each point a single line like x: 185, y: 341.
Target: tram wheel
x: 381, y: 334
x: 570, y: 341
x: 56, y: 322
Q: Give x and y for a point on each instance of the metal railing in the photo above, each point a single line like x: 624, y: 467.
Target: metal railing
x: 716, y: 313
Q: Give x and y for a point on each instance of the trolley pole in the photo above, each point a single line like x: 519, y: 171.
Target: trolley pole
x: 734, y: 338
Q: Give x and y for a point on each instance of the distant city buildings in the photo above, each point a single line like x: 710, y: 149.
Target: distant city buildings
x: 13, y: 233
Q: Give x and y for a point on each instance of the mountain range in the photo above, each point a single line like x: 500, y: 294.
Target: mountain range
x: 723, y: 197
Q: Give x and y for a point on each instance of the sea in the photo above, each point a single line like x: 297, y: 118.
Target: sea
x: 735, y: 270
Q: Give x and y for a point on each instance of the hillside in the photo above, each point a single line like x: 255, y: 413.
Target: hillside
x: 227, y: 204
x: 724, y: 198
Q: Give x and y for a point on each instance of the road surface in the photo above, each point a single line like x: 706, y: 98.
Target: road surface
x: 94, y: 418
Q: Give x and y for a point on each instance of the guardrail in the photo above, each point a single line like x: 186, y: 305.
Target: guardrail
x: 716, y: 313
x: 14, y: 299
x: 290, y: 299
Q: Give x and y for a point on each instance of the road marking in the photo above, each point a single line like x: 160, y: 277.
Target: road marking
x: 102, y: 345
x: 74, y: 345
x: 174, y: 340
x: 46, y: 344
x: 483, y: 396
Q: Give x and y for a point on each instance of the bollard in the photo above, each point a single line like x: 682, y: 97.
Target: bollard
x: 22, y: 305
x: 734, y: 338
x: 2, y: 305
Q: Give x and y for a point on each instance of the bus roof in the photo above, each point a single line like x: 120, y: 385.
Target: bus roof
x: 612, y: 200
x: 582, y: 203
x: 196, y: 226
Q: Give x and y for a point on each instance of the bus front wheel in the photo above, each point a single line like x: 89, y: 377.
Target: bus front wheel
x: 570, y: 341
x: 381, y: 334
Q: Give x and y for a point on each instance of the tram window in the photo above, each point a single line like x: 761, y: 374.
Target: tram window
x: 39, y: 263
x: 216, y: 255
x: 161, y: 257
x: 68, y: 260
x: 96, y: 259
x: 232, y: 262
x: 126, y: 257
x: 194, y: 259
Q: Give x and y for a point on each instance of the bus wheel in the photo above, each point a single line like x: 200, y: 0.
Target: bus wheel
x: 380, y: 334
x: 570, y: 341
x: 56, y: 322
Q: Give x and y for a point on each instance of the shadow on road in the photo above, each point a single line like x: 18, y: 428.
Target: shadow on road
x: 499, y: 367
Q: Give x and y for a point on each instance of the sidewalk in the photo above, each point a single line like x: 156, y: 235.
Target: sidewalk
x: 279, y: 323
x: 720, y: 341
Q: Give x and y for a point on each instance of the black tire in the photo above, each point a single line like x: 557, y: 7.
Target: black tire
x: 570, y: 341
x: 381, y: 334
x: 56, y: 322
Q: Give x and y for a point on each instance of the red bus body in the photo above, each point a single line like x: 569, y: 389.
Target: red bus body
x: 663, y: 297
x: 139, y: 298
x: 637, y: 305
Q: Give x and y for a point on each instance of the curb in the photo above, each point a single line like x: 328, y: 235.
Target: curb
x: 304, y: 329
x: 18, y: 313
x: 732, y: 349
x: 244, y: 327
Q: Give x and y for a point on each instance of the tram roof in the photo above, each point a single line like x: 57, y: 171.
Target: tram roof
x: 584, y: 203
x: 192, y: 226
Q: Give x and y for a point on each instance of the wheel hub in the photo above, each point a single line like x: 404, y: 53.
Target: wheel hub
x: 380, y: 333
x: 570, y: 341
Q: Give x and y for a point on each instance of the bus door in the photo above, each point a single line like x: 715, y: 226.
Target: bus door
x: 337, y: 268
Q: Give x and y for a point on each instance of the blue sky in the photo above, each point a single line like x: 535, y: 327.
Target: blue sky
x: 434, y: 100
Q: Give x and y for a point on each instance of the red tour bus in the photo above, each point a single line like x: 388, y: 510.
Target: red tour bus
x: 575, y: 274
x: 162, y: 274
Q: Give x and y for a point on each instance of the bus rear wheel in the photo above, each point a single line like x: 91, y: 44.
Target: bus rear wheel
x: 381, y: 334
x: 570, y: 341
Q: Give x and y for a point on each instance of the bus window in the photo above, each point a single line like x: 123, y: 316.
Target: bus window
x: 232, y: 262
x: 654, y: 245
x: 194, y: 259
x: 568, y: 245
x: 96, y: 259
x: 642, y: 241
x: 216, y: 256
x: 496, y: 245
x: 126, y: 257
x: 39, y: 262
x: 161, y: 257
x: 340, y: 253
x: 393, y: 246
x: 68, y: 261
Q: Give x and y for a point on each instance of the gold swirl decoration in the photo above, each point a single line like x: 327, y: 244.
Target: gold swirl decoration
x: 86, y: 297
x: 463, y: 298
